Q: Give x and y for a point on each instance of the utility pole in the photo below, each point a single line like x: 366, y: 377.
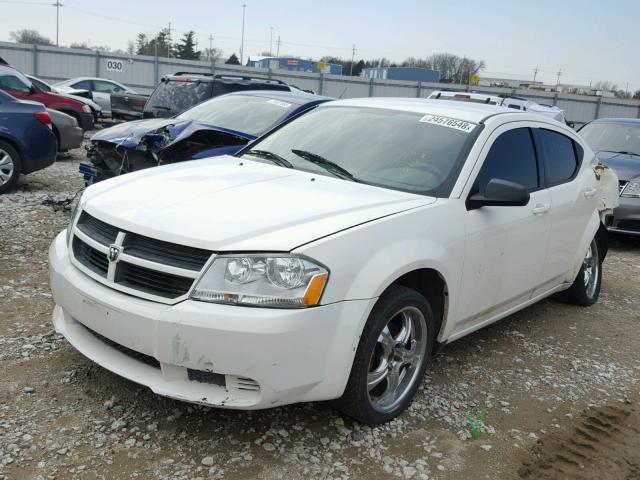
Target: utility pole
x: 535, y: 73
x: 244, y: 8
x: 57, y: 5
x: 353, y: 55
x: 271, y: 43
x: 278, y: 50
x: 558, y: 80
x: 169, y: 42
x: 210, y: 45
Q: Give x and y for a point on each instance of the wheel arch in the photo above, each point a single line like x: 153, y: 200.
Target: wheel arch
x: 431, y: 284
x: 18, y: 148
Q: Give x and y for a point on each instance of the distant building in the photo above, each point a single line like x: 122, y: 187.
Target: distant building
x: 413, y: 74
x: 507, y: 82
x: 295, y: 64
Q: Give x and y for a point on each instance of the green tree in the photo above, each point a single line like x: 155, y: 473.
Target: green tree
x: 233, y: 60
x: 186, y: 49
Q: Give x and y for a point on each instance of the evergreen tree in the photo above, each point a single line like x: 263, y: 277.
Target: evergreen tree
x: 186, y: 48
x: 233, y: 60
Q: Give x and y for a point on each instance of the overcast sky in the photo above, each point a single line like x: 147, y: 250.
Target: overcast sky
x: 589, y: 40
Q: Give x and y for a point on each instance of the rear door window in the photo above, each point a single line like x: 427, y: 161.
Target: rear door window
x: 106, y: 87
x: 560, y: 156
x: 512, y: 157
x: 178, y: 96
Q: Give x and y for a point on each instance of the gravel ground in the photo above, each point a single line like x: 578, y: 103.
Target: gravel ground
x: 559, y: 386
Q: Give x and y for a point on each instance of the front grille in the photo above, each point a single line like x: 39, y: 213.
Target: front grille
x: 157, y: 278
x: 90, y: 257
x: 99, y: 231
x: 167, y: 253
x: 141, y: 357
x: 632, y: 225
x: 152, y: 281
x: 622, y: 184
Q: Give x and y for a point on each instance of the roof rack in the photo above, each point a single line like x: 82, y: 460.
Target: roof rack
x: 237, y: 77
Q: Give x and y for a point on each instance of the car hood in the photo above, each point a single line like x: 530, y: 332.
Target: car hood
x: 627, y: 167
x: 129, y: 134
x: 231, y: 204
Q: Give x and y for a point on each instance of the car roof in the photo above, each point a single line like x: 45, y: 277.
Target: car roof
x: 291, y: 97
x: 630, y: 121
x: 80, y: 79
x: 471, y: 112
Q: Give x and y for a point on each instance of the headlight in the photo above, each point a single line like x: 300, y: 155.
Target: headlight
x: 74, y: 215
x: 631, y: 190
x: 262, y: 280
x: 86, y: 108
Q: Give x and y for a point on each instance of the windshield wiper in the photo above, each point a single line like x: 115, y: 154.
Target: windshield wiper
x: 328, y: 165
x: 277, y: 159
x: 161, y: 107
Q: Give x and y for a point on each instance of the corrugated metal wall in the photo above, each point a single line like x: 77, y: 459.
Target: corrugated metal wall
x: 143, y: 72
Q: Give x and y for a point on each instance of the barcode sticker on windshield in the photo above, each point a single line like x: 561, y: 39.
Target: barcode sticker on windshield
x: 279, y: 103
x: 449, y: 123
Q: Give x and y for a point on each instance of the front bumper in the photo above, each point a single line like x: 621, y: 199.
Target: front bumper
x: 625, y: 218
x: 85, y: 120
x: 71, y: 137
x: 219, y: 355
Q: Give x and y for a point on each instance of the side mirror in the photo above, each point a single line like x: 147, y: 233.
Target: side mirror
x: 500, y: 193
x: 32, y: 90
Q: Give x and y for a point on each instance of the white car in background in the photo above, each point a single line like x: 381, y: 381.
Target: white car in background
x: 517, y: 103
x: 331, y: 258
x: 100, y: 88
x: 76, y: 94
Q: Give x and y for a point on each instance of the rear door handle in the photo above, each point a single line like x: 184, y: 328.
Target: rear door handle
x: 541, y: 208
x: 590, y: 192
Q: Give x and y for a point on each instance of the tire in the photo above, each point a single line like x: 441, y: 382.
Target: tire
x: 585, y: 289
x: 10, y: 167
x: 379, y: 357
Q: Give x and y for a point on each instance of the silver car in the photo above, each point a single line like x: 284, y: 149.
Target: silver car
x: 100, y: 88
x: 68, y: 134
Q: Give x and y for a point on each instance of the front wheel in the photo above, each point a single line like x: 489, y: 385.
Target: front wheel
x: 392, y: 356
x: 585, y: 290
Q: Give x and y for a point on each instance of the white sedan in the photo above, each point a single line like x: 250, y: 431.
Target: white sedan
x: 331, y: 258
x: 100, y: 88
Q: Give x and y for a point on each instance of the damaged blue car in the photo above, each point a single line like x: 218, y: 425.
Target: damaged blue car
x: 222, y: 125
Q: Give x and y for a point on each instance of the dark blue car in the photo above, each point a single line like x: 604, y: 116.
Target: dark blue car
x: 616, y: 142
x: 27, y: 142
x: 222, y: 125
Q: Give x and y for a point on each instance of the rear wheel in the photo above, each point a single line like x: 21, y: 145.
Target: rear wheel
x: 10, y: 167
x: 392, y: 356
x: 585, y: 289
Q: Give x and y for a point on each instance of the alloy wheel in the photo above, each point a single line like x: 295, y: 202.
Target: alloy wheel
x: 590, y: 267
x: 396, y: 359
x: 6, y: 167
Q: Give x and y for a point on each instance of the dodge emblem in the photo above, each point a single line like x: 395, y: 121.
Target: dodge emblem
x: 114, y: 252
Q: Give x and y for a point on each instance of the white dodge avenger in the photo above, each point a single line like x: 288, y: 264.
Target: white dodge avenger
x: 331, y: 258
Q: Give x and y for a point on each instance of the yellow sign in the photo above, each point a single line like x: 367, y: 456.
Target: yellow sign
x: 475, y: 79
x: 321, y: 66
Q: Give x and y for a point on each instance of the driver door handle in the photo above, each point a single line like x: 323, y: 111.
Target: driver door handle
x: 541, y: 208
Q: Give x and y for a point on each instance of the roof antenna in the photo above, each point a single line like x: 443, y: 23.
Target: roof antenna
x: 343, y: 92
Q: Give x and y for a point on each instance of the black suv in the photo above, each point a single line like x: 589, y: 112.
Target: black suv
x: 182, y: 90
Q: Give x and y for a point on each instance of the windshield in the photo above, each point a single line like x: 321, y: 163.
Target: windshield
x: 243, y: 113
x: 177, y: 96
x: 400, y: 150
x: 612, y: 137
